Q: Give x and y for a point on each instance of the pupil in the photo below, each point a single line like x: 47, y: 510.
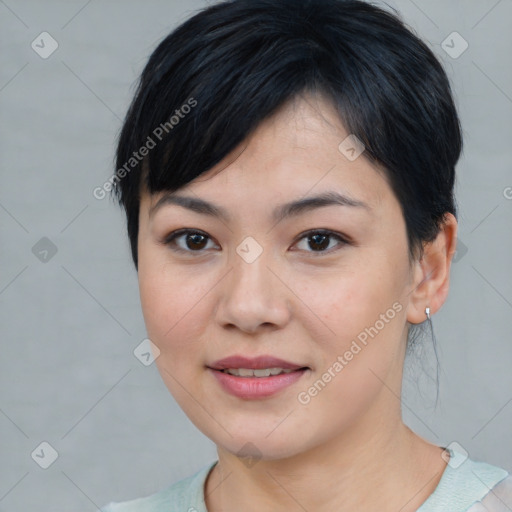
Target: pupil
x: 321, y: 241
x: 324, y: 237
x: 195, y: 238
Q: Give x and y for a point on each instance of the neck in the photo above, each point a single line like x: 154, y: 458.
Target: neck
x: 377, y: 464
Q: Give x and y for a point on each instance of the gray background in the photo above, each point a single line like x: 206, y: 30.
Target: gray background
x: 70, y: 323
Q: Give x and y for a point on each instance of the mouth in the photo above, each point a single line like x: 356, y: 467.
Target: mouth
x: 254, y: 366
x: 255, y: 378
x: 260, y: 372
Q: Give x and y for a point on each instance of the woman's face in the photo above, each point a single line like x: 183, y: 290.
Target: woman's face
x: 253, y: 284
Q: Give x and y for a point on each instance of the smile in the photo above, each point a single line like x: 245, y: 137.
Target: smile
x: 249, y: 372
x: 256, y: 384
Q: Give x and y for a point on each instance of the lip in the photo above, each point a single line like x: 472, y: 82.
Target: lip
x: 256, y: 363
x: 256, y: 388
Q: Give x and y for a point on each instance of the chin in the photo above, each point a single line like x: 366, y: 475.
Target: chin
x: 254, y: 450
x: 263, y: 442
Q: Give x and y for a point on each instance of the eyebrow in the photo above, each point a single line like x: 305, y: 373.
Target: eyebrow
x: 281, y: 212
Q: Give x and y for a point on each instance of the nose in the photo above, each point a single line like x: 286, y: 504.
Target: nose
x: 253, y: 297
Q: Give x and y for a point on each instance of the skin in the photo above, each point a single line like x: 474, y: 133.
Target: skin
x: 348, y: 448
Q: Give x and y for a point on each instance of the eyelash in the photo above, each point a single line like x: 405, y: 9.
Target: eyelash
x: 170, y: 240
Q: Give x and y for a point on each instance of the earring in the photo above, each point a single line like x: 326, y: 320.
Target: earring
x: 427, y: 312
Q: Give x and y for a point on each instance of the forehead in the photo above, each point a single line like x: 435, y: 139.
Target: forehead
x: 293, y: 154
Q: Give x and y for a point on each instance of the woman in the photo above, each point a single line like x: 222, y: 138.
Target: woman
x: 287, y: 172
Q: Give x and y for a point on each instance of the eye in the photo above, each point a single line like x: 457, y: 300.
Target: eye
x: 196, y: 241
x: 319, y: 240
x: 193, y: 240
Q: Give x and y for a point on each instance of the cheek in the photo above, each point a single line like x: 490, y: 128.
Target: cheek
x: 350, y: 303
x: 366, y: 320
x: 171, y: 305
x: 173, y: 314
x: 357, y: 359
x: 177, y: 308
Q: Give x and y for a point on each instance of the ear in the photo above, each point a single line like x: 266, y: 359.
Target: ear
x: 431, y: 274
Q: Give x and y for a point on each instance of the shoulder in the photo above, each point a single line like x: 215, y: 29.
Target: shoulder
x: 498, y: 499
x: 464, y: 485
x: 187, y: 495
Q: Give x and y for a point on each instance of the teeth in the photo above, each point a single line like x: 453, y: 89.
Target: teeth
x: 248, y: 372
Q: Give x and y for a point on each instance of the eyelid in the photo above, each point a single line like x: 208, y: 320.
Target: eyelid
x: 342, y: 239
x: 169, y: 239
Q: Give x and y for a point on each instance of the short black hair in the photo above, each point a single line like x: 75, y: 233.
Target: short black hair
x: 219, y: 74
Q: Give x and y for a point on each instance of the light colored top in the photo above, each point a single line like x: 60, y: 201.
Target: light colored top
x: 465, y: 486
